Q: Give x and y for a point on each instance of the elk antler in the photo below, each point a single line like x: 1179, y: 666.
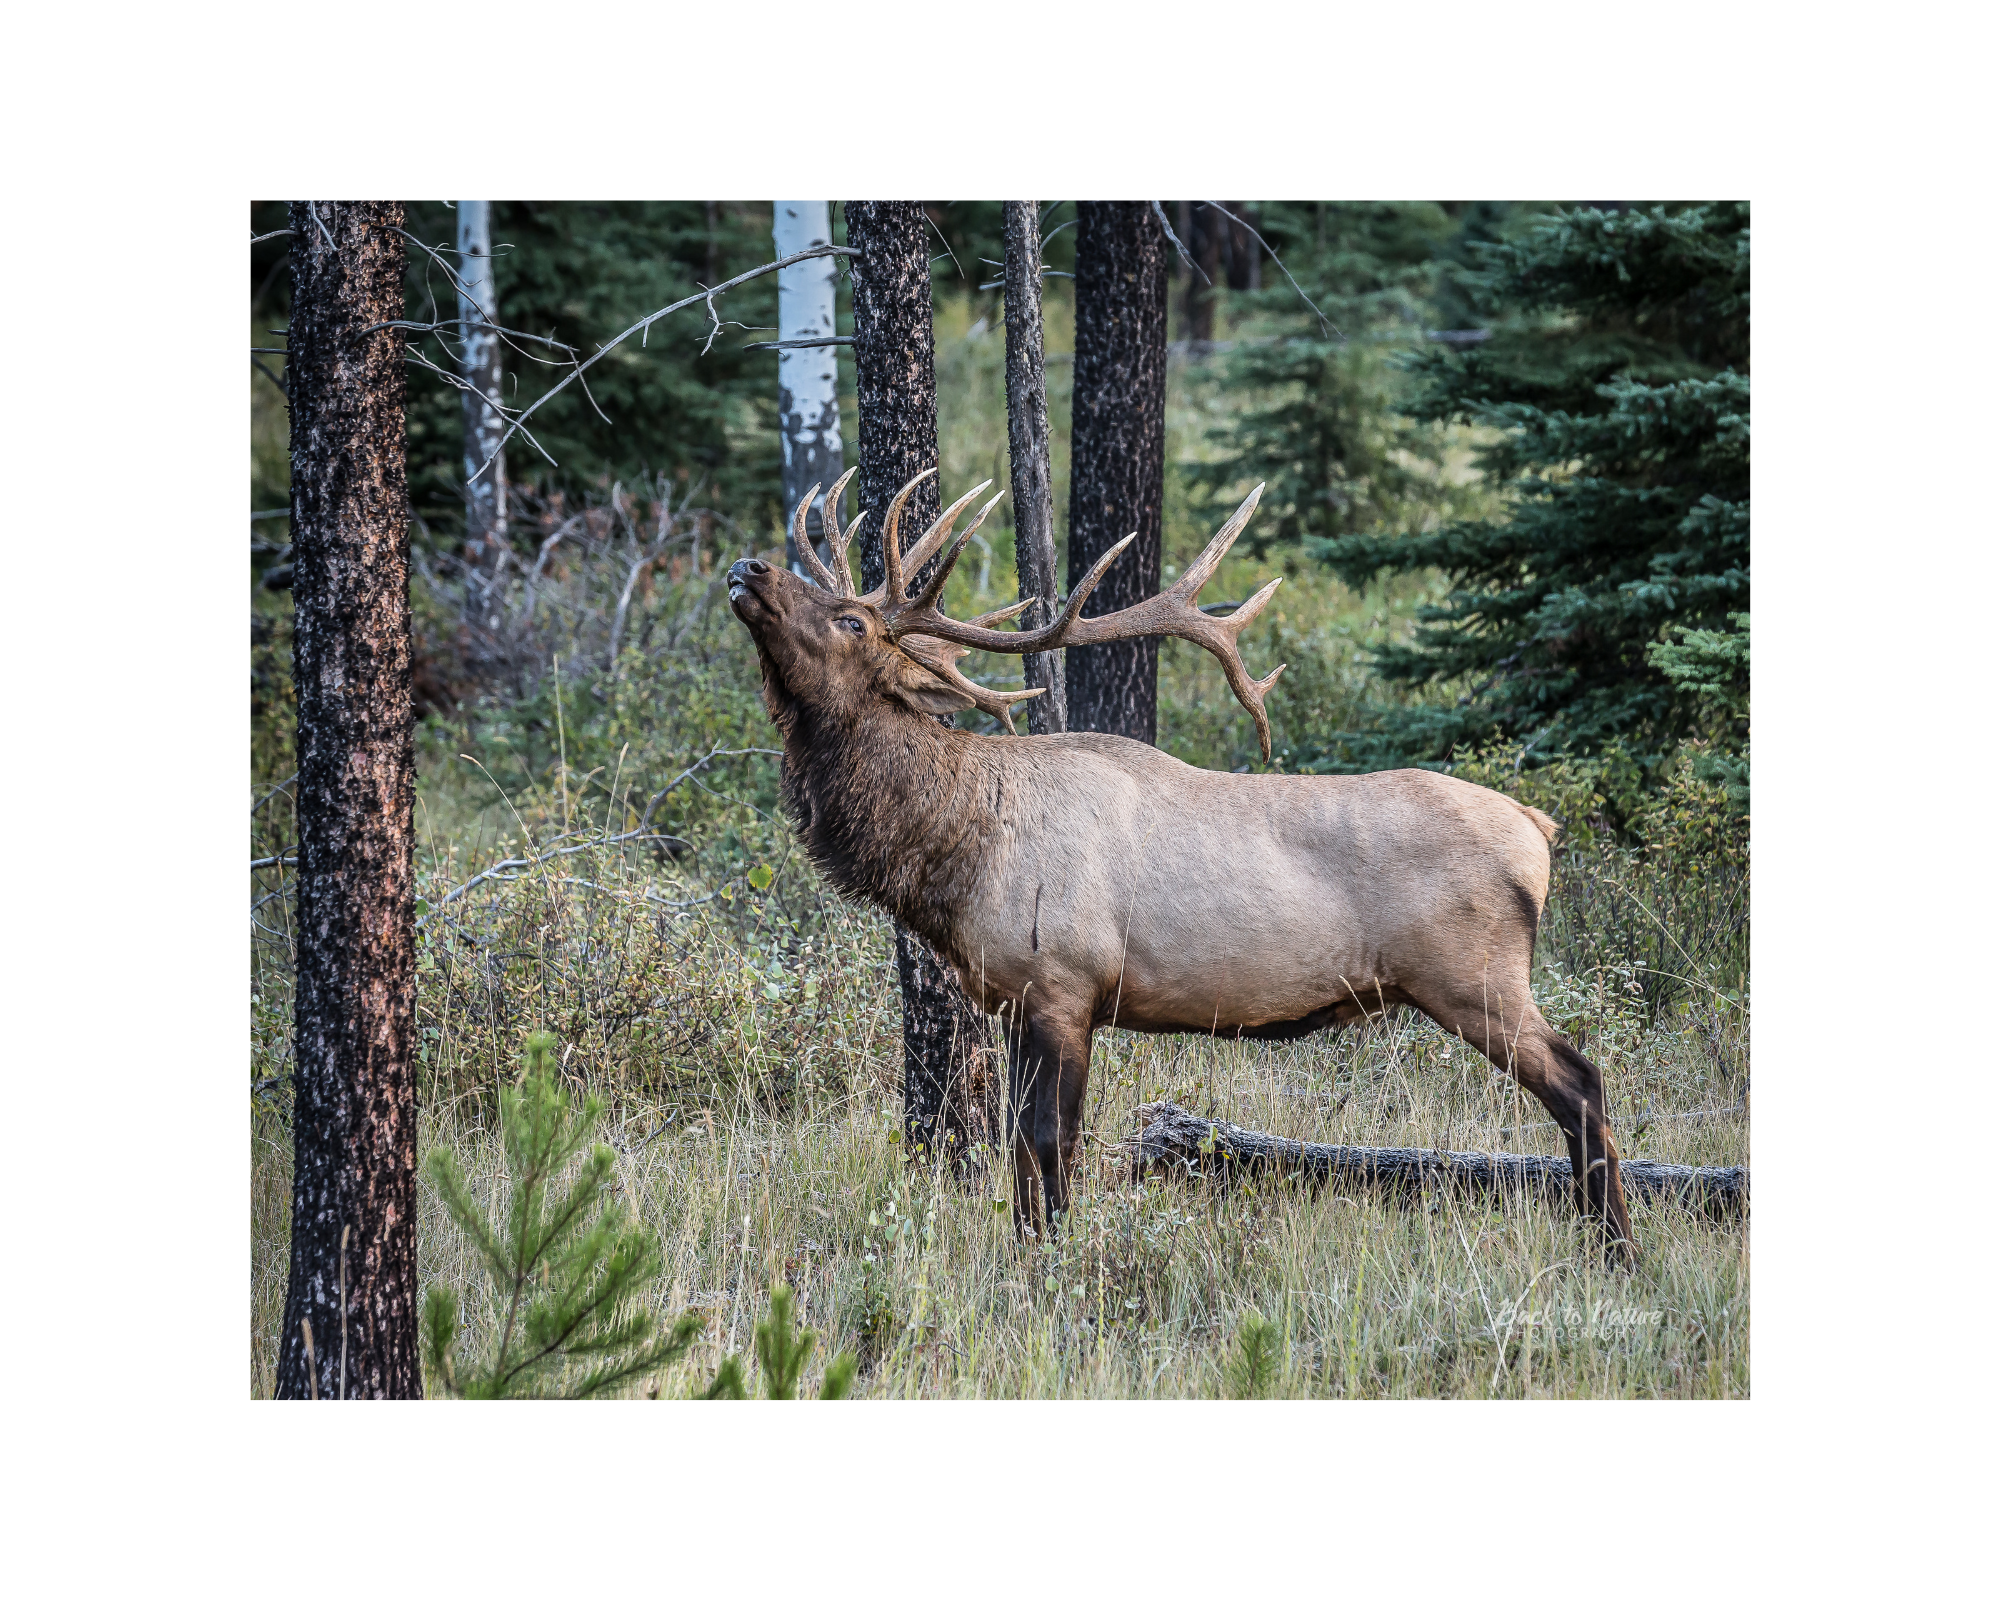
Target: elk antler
x: 829, y: 520
x: 1173, y: 612
x: 895, y: 560
x: 1176, y: 613
x: 944, y: 640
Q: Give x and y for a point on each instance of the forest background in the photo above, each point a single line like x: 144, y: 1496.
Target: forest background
x: 1508, y: 467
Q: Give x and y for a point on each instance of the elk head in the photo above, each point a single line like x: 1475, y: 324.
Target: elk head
x: 823, y: 646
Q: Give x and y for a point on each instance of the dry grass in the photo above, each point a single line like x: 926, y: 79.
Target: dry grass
x: 767, y: 1148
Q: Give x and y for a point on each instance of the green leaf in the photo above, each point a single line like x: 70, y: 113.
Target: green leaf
x: 760, y: 878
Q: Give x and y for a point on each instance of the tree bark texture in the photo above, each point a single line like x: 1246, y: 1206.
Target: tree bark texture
x: 479, y: 365
x: 354, y: 1154
x: 808, y: 380
x: 945, y: 1038
x: 1118, y: 433
x: 1174, y: 1140
x: 1028, y: 453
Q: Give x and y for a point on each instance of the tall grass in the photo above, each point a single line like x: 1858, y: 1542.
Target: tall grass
x: 756, y: 1109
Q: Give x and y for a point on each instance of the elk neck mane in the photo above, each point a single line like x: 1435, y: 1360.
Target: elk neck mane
x: 893, y: 806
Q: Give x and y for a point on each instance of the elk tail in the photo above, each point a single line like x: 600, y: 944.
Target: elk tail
x: 1542, y: 820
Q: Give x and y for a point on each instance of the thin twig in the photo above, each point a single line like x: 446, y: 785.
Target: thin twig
x: 282, y: 233
x: 1287, y: 271
x: 1187, y: 260
x: 513, y: 866
x: 644, y: 324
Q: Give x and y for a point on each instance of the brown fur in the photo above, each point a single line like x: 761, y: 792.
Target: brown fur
x: 1077, y: 881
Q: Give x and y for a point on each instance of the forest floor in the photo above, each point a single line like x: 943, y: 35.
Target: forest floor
x: 755, y: 1111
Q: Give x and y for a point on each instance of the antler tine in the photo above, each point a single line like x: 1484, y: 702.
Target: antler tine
x: 836, y: 539
x: 1203, y: 566
x: 1175, y: 613
x: 942, y: 659
x: 1002, y: 614
x: 837, y: 548
x: 935, y: 586
x: 933, y: 622
x: 892, y: 557
x: 940, y: 530
x: 802, y: 543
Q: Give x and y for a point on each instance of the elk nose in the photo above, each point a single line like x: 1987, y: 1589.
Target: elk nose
x: 749, y: 567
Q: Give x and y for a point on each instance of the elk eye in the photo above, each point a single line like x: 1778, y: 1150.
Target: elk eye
x: 851, y: 624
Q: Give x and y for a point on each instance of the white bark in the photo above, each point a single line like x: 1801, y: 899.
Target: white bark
x: 808, y: 380
x: 479, y: 363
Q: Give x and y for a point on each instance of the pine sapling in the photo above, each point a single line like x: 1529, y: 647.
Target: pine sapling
x: 781, y: 1357
x: 570, y: 1273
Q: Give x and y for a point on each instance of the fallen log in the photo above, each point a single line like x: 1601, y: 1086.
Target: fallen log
x: 1175, y: 1140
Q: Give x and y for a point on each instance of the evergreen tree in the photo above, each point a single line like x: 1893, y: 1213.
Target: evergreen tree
x: 1712, y: 669
x: 1618, y: 379
x: 1325, y: 435
x: 570, y: 1274
x: 781, y: 1358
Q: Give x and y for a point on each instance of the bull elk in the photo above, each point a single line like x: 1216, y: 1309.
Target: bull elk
x: 1077, y: 881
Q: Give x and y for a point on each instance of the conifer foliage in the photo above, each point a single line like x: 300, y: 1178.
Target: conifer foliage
x: 569, y: 1272
x: 1618, y: 377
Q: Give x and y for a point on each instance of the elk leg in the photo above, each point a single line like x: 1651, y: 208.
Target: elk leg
x: 1059, y: 1155
x: 1569, y: 1084
x: 1050, y: 1065
x: 1028, y: 1071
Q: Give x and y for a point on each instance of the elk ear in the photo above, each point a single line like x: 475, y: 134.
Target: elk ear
x: 922, y: 690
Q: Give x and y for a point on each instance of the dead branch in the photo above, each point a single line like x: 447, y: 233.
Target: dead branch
x: 513, y: 867
x: 644, y: 325
x: 1171, y: 1139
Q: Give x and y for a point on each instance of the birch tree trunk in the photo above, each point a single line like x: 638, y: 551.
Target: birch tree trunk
x: 354, y: 1142
x: 808, y: 380
x: 944, y: 1036
x: 479, y: 365
x: 1028, y: 452
x: 1117, y: 474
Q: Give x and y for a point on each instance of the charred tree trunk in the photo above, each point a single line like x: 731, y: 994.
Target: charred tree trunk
x: 1118, y: 454
x: 354, y: 1143
x: 808, y: 380
x: 944, y: 1036
x: 479, y: 365
x: 1246, y: 256
x: 1028, y: 452
x: 1174, y: 1140
x: 1205, y: 236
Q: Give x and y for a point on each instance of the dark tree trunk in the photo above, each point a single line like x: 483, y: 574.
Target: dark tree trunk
x: 1118, y: 428
x: 1207, y: 230
x: 1028, y: 451
x: 944, y: 1035
x: 1246, y: 265
x: 354, y: 1144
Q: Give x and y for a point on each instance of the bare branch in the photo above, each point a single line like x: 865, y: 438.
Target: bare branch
x: 1287, y: 271
x: 281, y: 233
x: 505, y: 871
x: 799, y: 344
x: 1180, y: 249
x: 645, y: 323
